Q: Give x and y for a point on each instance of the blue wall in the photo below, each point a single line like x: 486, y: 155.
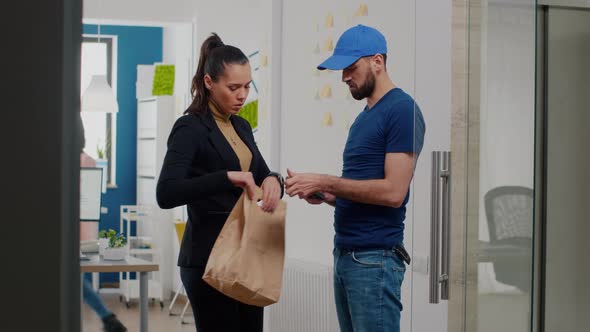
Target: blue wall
x: 136, y: 45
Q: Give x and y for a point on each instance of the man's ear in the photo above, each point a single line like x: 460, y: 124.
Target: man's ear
x: 378, y: 62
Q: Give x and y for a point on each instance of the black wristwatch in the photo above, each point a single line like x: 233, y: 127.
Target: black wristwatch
x: 281, y: 181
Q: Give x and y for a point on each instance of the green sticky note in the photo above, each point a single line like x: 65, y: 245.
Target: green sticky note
x: 163, y: 80
x: 250, y: 113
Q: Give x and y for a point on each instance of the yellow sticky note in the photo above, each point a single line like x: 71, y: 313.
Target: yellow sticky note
x: 264, y: 60
x: 363, y: 10
x: 329, y: 21
x: 327, y: 119
x: 329, y: 45
x: 326, y: 91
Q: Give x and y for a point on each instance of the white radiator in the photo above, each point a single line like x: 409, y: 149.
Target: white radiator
x: 307, y: 300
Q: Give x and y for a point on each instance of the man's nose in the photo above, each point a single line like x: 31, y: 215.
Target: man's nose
x: 345, y: 77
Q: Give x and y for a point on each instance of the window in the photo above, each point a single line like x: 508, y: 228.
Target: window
x: 100, y: 133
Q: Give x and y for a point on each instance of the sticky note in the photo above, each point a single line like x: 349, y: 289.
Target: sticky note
x: 363, y: 10
x: 329, y: 21
x: 329, y: 45
x: 326, y: 91
x: 163, y: 83
x: 327, y: 119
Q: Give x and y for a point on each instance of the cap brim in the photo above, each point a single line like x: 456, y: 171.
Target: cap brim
x: 338, y: 62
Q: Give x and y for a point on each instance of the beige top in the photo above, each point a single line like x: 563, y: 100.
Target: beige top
x: 240, y: 148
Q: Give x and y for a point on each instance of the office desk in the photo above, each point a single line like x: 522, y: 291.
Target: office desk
x: 129, y: 264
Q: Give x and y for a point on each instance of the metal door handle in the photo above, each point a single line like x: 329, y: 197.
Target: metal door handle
x: 440, y: 223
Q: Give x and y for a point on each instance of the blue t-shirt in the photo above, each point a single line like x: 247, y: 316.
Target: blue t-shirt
x: 394, y: 124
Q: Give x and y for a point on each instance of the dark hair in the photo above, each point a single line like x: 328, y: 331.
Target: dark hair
x: 212, y: 60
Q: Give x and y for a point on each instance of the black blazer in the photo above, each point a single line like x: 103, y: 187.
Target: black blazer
x: 195, y: 173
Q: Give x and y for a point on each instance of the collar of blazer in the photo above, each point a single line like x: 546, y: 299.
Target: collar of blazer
x: 226, y: 152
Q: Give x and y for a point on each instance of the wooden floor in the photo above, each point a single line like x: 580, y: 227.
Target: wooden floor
x: 159, y: 319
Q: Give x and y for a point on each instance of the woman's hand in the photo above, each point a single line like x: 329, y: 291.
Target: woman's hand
x: 271, y: 193
x: 244, y: 180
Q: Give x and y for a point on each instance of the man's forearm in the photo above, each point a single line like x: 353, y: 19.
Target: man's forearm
x: 377, y: 192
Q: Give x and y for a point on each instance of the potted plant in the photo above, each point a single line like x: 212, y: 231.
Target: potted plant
x: 117, y: 248
x: 103, y: 239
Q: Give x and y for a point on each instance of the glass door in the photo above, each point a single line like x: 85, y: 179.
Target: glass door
x: 500, y: 166
x: 472, y: 211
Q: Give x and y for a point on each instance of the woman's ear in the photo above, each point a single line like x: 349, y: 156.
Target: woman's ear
x: 208, y: 82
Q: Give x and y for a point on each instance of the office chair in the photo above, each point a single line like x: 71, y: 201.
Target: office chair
x: 179, y: 226
x: 509, y: 211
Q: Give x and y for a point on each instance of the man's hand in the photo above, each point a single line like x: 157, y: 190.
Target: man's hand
x: 304, y: 185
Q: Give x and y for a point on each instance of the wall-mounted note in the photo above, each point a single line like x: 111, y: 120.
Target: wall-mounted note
x: 327, y: 119
x: 363, y: 10
x: 329, y: 21
x: 163, y: 80
x: 264, y: 60
x: 329, y: 45
x: 326, y: 91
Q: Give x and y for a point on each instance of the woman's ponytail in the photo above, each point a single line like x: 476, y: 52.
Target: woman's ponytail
x: 198, y: 89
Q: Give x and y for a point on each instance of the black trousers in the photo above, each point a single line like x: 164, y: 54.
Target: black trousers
x: 215, y: 312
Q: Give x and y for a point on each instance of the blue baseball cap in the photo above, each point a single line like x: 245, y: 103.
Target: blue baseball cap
x: 355, y: 43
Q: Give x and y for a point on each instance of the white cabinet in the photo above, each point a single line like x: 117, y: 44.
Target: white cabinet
x: 153, y: 226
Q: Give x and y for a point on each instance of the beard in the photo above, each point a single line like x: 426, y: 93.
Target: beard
x: 364, y: 90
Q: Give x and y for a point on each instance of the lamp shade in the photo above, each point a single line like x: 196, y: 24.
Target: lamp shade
x: 99, y: 96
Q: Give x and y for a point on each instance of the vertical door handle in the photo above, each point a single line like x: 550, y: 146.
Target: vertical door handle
x: 440, y: 203
x: 434, y: 228
x: 445, y: 175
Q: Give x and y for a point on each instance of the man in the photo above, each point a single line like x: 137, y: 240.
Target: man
x: 378, y: 163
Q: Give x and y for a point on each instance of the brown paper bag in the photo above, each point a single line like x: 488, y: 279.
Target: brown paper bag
x: 246, y: 262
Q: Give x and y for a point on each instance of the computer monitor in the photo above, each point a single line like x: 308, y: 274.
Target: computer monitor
x: 90, y: 193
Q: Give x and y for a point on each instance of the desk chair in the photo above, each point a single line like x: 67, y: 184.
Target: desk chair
x: 509, y: 212
x: 179, y: 226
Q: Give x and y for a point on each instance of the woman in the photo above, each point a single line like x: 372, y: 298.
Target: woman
x: 211, y: 159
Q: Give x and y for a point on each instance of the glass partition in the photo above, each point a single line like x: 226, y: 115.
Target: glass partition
x: 500, y: 162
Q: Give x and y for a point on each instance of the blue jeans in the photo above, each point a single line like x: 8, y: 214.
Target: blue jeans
x: 367, y: 290
x: 93, y: 300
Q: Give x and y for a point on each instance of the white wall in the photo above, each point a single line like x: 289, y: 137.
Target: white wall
x: 246, y: 25
x: 139, y: 11
x: 178, y: 47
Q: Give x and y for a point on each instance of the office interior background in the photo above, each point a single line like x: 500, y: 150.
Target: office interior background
x: 502, y: 84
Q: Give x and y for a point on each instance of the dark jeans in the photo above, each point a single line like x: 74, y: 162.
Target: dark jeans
x: 215, y: 312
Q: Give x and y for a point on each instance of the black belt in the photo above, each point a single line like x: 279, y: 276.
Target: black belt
x: 398, y: 249
x: 401, y: 252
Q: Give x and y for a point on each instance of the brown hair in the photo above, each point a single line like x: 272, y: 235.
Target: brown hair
x: 212, y: 60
